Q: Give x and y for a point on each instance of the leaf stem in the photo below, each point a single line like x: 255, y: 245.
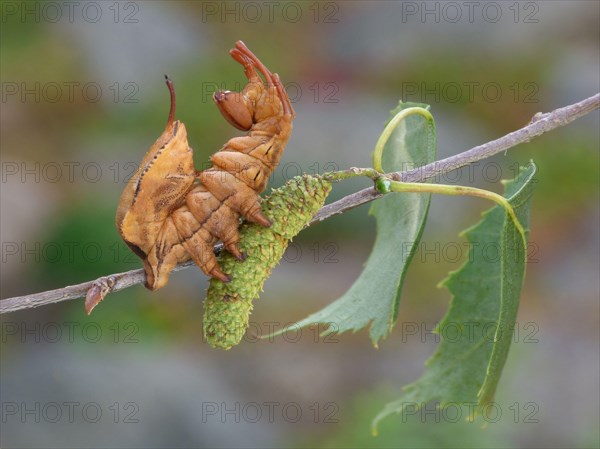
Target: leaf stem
x: 391, y: 127
x: 445, y: 189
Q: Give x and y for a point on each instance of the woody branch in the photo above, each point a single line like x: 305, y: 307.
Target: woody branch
x: 540, y: 124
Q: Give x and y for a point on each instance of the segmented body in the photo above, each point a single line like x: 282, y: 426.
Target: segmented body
x: 169, y: 213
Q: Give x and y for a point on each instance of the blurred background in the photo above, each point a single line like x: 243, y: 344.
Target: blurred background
x: 83, y: 98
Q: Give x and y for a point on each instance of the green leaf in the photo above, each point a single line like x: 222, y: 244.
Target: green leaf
x: 476, y: 332
x: 374, y: 296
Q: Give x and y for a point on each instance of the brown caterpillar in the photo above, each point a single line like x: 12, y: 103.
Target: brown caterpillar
x: 170, y: 213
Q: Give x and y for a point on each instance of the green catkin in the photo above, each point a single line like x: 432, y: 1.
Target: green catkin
x: 227, y: 307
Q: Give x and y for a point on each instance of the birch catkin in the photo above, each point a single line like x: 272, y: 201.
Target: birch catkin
x: 227, y: 306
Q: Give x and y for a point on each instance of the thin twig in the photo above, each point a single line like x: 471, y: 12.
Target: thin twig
x: 540, y: 124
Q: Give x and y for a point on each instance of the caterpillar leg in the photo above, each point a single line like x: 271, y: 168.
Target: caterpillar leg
x: 241, y: 49
x: 273, y: 80
x: 255, y: 215
x: 288, y: 110
x: 202, y: 254
x: 198, y: 242
x: 248, y: 64
x: 164, y: 255
x: 235, y: 194
x: 217, y: 218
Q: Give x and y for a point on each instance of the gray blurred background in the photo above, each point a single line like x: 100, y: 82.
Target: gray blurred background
x: 83, y: 98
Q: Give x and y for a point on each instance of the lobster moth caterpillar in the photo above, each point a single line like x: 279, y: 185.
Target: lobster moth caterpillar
x: 170, y: 213
x: 227, y: 306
